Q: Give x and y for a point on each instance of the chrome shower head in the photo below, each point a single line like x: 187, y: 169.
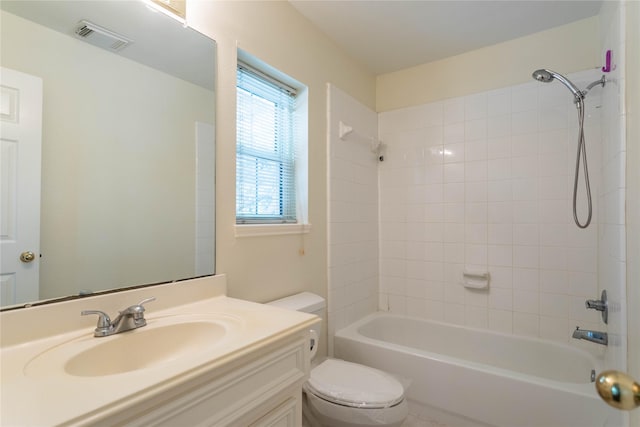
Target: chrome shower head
x: 543, y: 76
x: 547, y: 76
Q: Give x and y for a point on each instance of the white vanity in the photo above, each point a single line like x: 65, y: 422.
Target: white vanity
x: 202, y: 359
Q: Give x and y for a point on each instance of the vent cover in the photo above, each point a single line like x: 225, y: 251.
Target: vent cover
x: 101, y: 37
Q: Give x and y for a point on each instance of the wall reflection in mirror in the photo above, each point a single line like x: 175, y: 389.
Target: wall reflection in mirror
x: 127, y: 149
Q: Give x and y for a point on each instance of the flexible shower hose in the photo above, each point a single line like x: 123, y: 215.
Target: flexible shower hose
x: 582, y: 151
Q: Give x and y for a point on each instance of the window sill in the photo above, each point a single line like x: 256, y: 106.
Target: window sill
x: 256, y: 230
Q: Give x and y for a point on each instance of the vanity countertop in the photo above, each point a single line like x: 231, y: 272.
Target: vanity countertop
x: 35, y: 393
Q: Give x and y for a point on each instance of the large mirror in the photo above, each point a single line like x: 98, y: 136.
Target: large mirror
x: 126, y: 193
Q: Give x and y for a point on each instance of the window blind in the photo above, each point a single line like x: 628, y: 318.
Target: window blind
x: 265, y: 174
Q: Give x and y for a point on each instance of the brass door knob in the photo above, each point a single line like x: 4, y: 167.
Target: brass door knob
x: 27, y: 256
x: 618, y: 390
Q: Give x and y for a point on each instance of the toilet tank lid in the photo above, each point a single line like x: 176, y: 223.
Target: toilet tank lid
x: 305, y: 301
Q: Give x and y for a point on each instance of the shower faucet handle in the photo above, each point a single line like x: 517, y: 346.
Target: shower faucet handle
x: 595, y: 304
x: 600, y: 305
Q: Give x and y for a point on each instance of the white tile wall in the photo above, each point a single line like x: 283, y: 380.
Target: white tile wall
x: 353, y: 212
x: 485, y: 182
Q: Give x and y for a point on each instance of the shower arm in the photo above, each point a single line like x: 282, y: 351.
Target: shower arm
x: 580, y: 95
x: 601, y: 82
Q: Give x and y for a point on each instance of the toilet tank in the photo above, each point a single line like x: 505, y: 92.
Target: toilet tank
x: 305, y: 302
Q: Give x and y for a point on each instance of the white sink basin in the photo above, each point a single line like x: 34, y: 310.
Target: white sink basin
x: 159, y: 342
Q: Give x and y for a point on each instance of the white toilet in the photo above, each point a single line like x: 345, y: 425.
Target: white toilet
x: 345, y: 394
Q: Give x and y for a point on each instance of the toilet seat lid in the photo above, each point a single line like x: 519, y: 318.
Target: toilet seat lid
x: 354, y: 385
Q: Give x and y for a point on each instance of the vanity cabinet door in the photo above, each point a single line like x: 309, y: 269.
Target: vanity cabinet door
x: 285, y: 415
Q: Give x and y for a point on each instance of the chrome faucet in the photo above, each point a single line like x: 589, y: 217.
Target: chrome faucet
x: 130, y: 318
x: 593, y: 336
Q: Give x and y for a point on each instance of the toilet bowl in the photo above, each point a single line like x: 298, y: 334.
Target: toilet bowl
x: 344, y: 394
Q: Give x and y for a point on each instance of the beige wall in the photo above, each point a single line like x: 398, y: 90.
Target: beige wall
x: 565, y: 49
x: 111, y: 216
x: 264, y: 268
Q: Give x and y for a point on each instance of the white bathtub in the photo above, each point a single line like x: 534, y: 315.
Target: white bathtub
x: 492, y: 378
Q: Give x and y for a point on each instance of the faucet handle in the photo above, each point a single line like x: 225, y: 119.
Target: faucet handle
x: 600, y: 305
x: 595, y: 304
x: 137, y: 310
x: 104, y: 322
x: 146, y: 300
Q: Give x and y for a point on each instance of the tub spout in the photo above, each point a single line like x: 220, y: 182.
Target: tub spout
x: 593, y: 336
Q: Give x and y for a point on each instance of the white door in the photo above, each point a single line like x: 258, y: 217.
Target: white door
x: 20, y: 154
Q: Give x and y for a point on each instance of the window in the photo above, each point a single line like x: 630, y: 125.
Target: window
x: 265, y: 154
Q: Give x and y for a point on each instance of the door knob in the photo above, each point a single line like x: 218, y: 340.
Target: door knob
x: 618, y: 390
x: 27, y: 256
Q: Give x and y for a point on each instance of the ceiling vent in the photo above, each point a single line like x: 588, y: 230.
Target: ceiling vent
x: 101, y: 37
